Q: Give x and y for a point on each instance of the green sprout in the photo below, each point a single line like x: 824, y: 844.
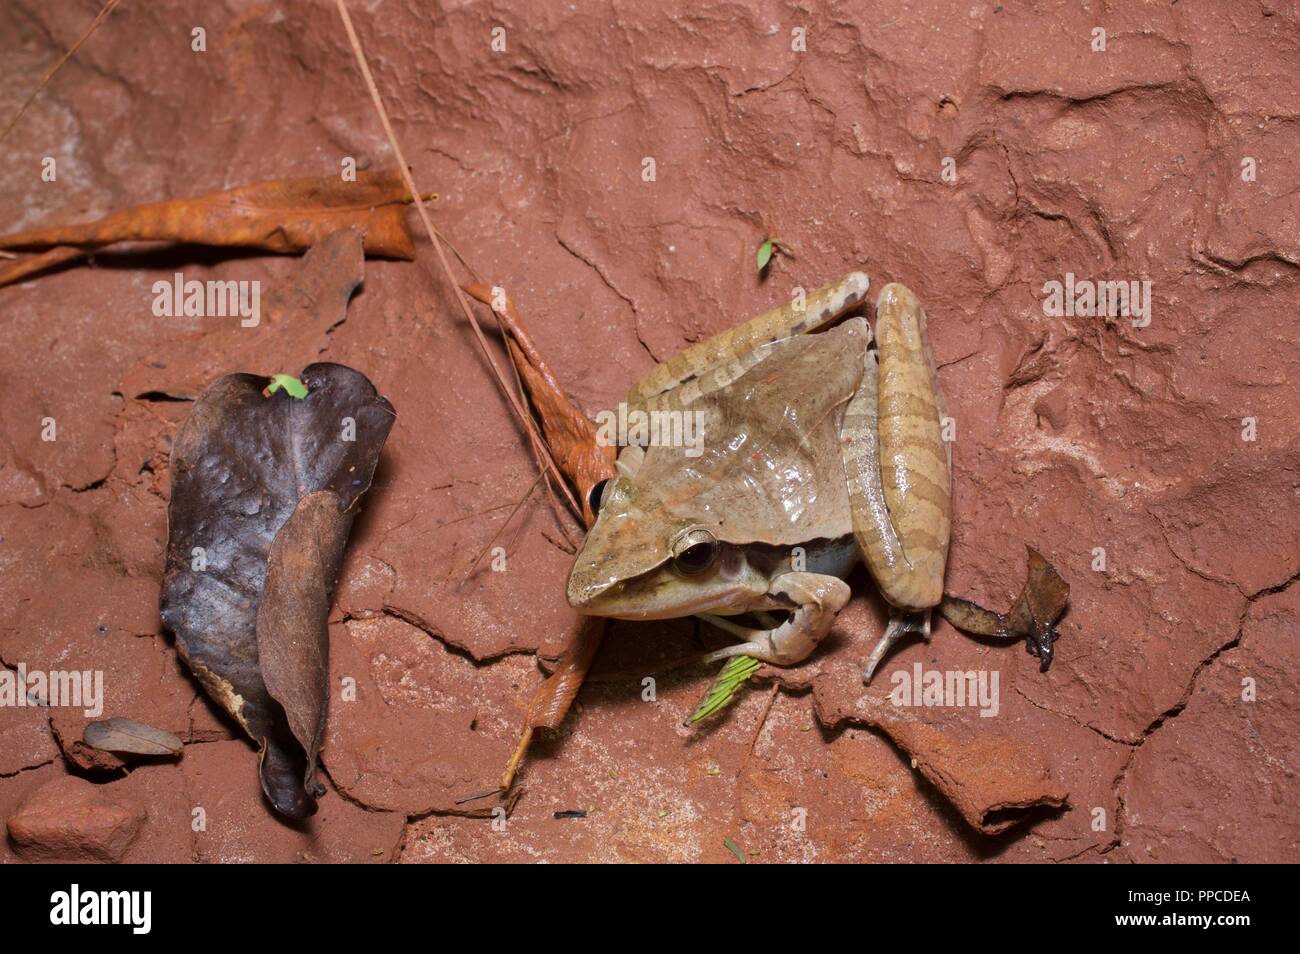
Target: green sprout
x: 723, y: 692
x: 292, y: 385
x: 736, y: 850
x: 768, y: 250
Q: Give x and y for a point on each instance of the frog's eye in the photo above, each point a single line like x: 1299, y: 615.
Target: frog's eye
x: 694, y: 551
x: 596, y: 496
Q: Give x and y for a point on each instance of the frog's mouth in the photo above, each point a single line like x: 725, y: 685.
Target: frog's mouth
x: 645, y: 600
x: 662, y: 594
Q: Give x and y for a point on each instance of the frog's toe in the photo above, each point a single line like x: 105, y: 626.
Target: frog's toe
x: 901, y: 623
x: 769, y: 645
x: 758, y: 650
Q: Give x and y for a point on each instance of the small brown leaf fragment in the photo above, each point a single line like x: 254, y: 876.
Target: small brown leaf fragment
x: 1046, y: 593
x: 1032, y: 617
x: 128, y: 736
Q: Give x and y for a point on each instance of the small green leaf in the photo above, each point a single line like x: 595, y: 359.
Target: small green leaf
x: 723, y: 692
x: 765, y: 253
x: 736, y: 850
x: 287, y: 381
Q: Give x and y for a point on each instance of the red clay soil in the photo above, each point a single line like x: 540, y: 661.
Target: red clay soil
x: 1166, y: 730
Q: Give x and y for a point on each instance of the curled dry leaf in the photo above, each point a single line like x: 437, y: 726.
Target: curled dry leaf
x: 128, y: 736
x: 281, y: 215
x: 264, y: 490
x: 1032, y: 617
x: 585, y: 462
x: 569, y: 434
x: 292, y: 627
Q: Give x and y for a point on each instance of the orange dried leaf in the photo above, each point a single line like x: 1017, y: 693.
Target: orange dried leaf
x: 283, y: 215
x: 20, y: 268
x: 569, y: 434
x: 571, y: 438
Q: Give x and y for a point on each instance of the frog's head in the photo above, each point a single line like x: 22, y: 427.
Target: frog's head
x: 639, y: 563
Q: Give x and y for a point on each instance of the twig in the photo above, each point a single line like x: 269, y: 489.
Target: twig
x: 505, y: 523
x: 436, y: 239
x: 103, y: 15
x: 762, y: 719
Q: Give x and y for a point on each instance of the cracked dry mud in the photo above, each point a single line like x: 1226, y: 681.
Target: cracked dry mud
x: 1074, y: 433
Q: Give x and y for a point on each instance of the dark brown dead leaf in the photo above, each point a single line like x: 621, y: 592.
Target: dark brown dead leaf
x: 128, y: 736
x: 1032, y: 617
x: 281, y: 215
x: 242, y: 465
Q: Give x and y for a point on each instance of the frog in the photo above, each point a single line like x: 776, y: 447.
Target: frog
x: 823, y: 448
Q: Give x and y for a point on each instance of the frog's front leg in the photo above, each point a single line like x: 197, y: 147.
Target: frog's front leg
x: 817, y: 598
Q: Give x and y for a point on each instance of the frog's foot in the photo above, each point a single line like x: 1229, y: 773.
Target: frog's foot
x: 901, y: 623
x: 818, y: 600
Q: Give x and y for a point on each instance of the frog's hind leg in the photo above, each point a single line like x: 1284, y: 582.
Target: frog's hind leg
x: 872, y: 528
x: 717, y: 361
x: 901, y: 623
x: 818, y: 598
x: 898, y: 469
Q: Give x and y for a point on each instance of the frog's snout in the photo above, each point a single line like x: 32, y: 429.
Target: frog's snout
x: 596, y: 589
x: 580, y: 592
x: 585, y: 588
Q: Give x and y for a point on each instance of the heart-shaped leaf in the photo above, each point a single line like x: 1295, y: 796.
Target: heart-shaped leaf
x: 264, y: 490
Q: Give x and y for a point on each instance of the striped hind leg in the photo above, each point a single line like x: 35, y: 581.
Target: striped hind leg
x: 717, y: 361
x: 898, y: 469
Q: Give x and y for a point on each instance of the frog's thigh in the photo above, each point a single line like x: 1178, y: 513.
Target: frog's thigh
x: 818, y: 598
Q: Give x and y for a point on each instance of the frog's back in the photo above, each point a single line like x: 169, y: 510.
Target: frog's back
x: 770, y: 469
